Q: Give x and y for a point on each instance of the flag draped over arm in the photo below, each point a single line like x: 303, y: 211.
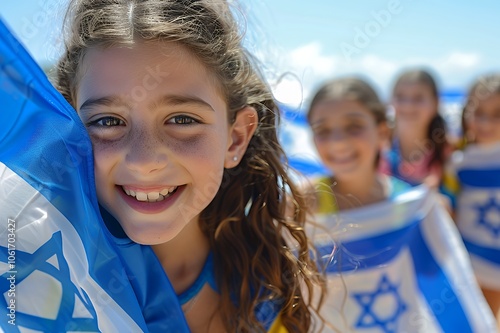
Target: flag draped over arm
x: 400, y: 266
x: 60, y: 268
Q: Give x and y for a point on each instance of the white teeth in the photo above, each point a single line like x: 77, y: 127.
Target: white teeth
x: 141, y: 196
x: 153, y: 196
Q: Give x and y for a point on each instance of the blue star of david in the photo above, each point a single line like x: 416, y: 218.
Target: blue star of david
x: 490, y: 205
x: 368, y: 317
x: 26, y: 264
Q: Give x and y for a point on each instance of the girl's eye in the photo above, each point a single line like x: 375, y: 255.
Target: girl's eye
x: 321, y: 132
x: 354, y: 129
x: 107, y: 122
x: 182, y: 120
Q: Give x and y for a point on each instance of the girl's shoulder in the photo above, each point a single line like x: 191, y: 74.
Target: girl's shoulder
x: 325, y: 198
x: 395, y: 186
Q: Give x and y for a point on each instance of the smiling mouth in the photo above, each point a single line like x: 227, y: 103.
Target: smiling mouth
x: 344, y: 159
x: 153, y: 196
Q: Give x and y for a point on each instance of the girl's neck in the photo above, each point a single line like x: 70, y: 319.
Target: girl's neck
x: 359, y: 191
x: 412, y: 143
x: 183, y: 257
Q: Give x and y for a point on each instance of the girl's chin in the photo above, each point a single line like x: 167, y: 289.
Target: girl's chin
x: 153, y: 237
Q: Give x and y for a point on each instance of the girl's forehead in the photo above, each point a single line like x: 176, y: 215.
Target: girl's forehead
x: 339, y: 109
x: 158, y: 59
x: 143, y: 71
x: 489, y: 102
x: 145, y: 52
x: 412, y: 87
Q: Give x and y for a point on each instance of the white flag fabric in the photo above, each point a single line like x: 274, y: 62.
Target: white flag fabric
x: 400, y: 266
x: 478, y: 209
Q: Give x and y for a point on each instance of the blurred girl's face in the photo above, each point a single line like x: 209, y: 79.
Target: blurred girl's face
x: 347, y: 137
x: 414, y: 104
x: 484, y: 121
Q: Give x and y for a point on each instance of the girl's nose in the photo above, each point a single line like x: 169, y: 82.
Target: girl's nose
x: 147, y: 153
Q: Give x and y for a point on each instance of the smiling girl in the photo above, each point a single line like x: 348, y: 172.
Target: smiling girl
x: 349, y: 128
x: 187, y: 160
x: 419, y: 146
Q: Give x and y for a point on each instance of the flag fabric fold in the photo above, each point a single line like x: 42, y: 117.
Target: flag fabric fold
x: 478, y: 209
x: 399, y: 266
x: 60, y: 268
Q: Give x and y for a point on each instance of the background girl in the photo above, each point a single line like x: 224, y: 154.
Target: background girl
x: 349, y: 129
x: 187, y: 160
x: 419, y: 145
x: 392, y: 242
x: 477, y: 169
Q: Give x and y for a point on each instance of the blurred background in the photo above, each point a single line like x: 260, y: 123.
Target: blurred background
x: 301, y: 44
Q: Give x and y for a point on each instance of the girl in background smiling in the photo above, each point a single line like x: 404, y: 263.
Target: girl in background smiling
x: 419, y: 145
x: 349, y: 130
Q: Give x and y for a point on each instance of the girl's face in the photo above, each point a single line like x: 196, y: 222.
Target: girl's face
x: 414, y: 104
x: 347, y: 137
x: 160, y: 133
x: 484, y: 121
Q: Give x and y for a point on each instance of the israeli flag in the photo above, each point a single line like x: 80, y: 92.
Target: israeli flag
x: 478, y: 209
x: 399, y: 266
x: 61, y: 270
x: 296, y: 138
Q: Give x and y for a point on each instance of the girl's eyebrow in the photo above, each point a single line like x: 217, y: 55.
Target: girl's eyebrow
x: 103, y: 101
x: 171, y: 100
x: 176, y: 100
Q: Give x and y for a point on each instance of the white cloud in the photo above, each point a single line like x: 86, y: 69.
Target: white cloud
x: 461, y: 60
x: 310, y: 57
x: 308, y: 65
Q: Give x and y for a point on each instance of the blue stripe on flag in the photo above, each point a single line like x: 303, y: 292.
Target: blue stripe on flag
x: 488, y: 178
x: 434, y: 285
x: 487, y: 253
x: 370, y: 252
x: 308, y: 168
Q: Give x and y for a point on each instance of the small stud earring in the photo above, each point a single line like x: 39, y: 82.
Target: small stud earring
x: 235, y: 158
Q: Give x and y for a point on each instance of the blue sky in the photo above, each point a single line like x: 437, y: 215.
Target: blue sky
x: 302, y: 43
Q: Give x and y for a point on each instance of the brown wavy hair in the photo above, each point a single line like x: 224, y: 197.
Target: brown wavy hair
x: 245, y: 223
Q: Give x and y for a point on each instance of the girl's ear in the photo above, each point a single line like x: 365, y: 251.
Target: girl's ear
x: 240, y: 133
